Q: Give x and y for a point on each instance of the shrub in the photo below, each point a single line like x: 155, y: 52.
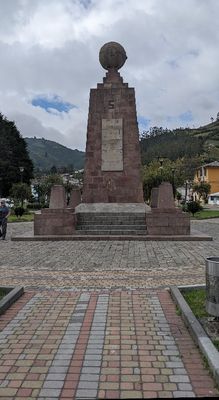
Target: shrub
x: 193, y: 207
x: 34, y: 206
x: 19, y: 211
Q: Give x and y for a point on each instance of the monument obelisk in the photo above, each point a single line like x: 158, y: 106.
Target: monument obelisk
x: 112, y: 163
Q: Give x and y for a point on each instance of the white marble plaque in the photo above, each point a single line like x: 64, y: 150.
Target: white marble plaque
x: 112, y: 144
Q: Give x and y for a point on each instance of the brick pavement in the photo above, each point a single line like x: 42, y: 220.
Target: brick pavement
x: 74, y: 338
x: 108, y: 344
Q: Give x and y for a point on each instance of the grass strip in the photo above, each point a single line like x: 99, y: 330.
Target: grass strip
x: 196, y: 300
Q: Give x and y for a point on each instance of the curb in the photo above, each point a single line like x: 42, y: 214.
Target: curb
x: 11, y: 297
x: 182, y: 238
x: 198, y: 333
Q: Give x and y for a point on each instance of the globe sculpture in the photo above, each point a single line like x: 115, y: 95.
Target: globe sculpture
x: 112, y: 56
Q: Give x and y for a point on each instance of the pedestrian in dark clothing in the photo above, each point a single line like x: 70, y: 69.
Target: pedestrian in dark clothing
x: 4, y: 213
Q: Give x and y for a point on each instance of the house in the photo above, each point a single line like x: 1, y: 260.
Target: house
x: 213, y: 198
x: 209, y: 173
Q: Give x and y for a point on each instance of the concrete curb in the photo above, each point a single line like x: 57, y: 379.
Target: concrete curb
x: 11, y: 297
x: 181, y: 238
x: 198, y: 333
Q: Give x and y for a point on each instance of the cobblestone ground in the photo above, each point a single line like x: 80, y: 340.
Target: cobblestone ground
x: 102, y: 264
x: 79, y: 332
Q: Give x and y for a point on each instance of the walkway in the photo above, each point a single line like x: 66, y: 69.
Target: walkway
x: 96, y: 321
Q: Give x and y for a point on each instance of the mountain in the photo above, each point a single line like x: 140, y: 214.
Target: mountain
x: 183, y: 142
x: 46, y: 154
x: 210, y: 133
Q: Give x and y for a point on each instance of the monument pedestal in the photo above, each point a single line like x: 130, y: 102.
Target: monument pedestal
x: 167, y: 222
x: 57, y: 219
x: 54, y: 222
x: 165, y: 218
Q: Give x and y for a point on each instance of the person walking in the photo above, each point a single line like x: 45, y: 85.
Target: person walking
x: 4, y: 213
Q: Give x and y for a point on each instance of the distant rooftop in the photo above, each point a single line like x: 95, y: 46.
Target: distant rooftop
x: 212, y: 164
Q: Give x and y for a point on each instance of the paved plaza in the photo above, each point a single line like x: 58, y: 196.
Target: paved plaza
x: 105, y: 264
x: 96, y: 320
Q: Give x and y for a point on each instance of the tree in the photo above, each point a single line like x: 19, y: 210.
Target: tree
x: 43, y: 186
x: 53, y: 170
x: 178, y: 196
x: 20, y: 192
x: 153, y: 174
x: 203, y: 189
x: 13, y: 155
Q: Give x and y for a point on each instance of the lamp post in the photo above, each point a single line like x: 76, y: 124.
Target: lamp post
x: 173, y: 181
x: 161, y: 165
x: 21, y: 171
x: 188, y: 183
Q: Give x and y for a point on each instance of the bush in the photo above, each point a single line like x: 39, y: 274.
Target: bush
x: 184, y: 206
x: 34, y: 206
x: 19, y: 211
x: 193, y: 207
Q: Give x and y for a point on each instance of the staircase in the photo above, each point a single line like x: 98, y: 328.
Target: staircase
x: 110, y: 223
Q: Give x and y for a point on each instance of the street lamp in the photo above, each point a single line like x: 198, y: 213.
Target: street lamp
x: 21, y: 171
x: 173, y: 181
x: 161, y: 160
x: 187, y: 189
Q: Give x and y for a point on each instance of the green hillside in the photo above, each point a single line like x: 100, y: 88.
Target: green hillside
x: 183, y: 142
x: 210, y: 134
x: 46, y: 154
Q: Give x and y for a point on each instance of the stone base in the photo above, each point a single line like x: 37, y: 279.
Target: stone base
x: 54, y: 222
x: 112, y: 208
x: 194, y: 237
x: 167, y: 222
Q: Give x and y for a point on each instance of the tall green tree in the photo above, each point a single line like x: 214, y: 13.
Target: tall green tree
x: 176, y: 173
x: 13, y: 155
x: 20, y: 192
x: 43, y: 186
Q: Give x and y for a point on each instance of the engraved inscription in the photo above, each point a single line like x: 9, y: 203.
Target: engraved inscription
x: 111, y: 104
x: 112, y: 144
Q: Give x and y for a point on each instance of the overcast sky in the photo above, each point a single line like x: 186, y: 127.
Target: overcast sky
x: 49, y: 61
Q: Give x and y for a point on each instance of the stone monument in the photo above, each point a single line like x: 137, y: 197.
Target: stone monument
x: 112, y: 198
x: 112, y: 166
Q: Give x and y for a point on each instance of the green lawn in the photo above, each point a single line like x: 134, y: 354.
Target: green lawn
x: 196, y: 300
x: 2, y: 293
x: 24, y: 218
x: 206, y: 214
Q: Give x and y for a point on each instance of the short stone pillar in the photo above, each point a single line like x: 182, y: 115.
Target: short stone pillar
x: 57, y: 220
x: 164, y: 218
x: 165, y: 199
x: 75, y: 198
x: 57, y: 197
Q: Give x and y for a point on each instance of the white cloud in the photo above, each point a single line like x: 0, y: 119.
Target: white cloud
x: 51, y: 48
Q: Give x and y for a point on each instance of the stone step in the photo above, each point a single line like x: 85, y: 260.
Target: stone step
x: 111, y: 232
x: 110, y: 227
x: 111, y: 222
x: 110, y: 215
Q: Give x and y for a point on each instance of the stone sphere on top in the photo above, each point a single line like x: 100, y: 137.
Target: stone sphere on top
x: 112, y: 56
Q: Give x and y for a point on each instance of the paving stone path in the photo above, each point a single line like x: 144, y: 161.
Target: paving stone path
x: 96, y: 320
